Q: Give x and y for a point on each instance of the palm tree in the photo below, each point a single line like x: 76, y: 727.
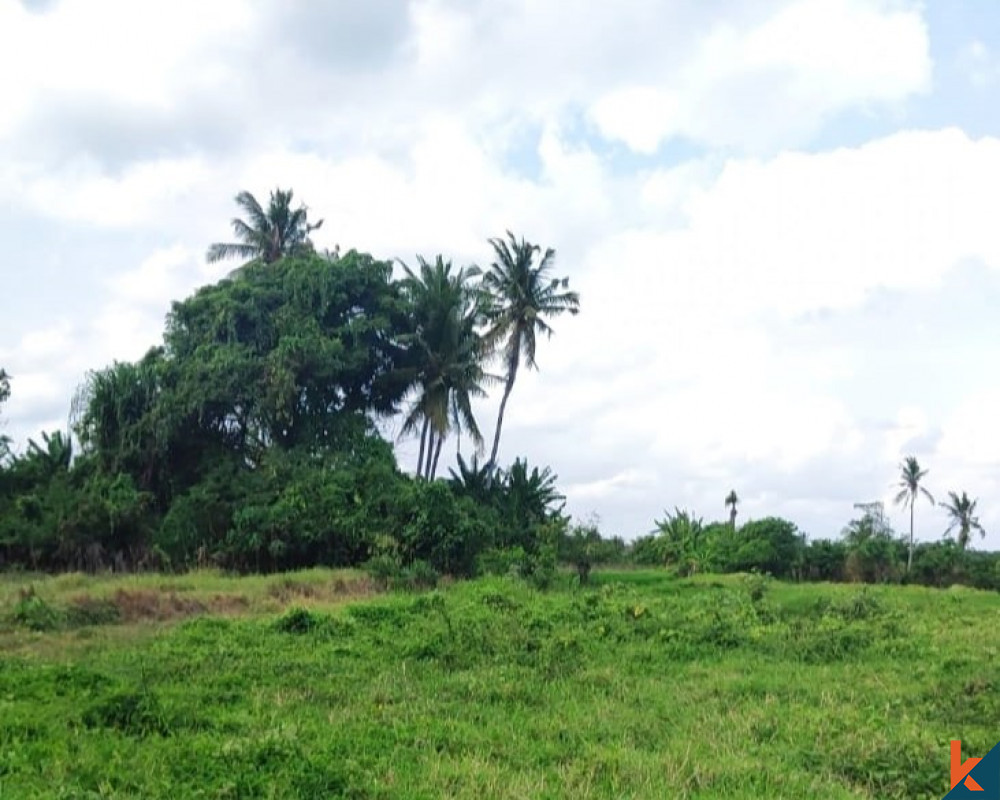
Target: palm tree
x: 267, y: 235
x: 909, y: 482
x: 471, y: 480
x: 961, y: 512
x: 448, y: 356
x: 731, y: 501
x: 522, y: 296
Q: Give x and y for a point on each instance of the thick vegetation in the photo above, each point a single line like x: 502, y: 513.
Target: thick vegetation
x: 250, y: 438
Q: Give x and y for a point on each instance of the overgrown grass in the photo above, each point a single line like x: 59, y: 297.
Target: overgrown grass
x: 639, y: 686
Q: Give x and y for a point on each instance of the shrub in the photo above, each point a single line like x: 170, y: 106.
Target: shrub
x: 133, y: 712
x: 33, y: 613
x: 297, y: 620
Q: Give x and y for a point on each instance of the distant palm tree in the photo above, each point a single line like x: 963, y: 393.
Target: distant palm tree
x: 267, y: 235
x: 961, y: 512
x: 731, y: 501
x: 522, y: 296
x: 448, y: 356
x: 909, y: 482
x: 4, y: 396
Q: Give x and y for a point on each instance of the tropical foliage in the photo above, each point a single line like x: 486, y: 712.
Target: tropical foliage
x: 251, y: 436
x: 267, y: 234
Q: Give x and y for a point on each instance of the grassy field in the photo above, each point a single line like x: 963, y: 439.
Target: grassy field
x: 314, y: 686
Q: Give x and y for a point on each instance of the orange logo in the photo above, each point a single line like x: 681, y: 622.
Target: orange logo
x: 960, y: 770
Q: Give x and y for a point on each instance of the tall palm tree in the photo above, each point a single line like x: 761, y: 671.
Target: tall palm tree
x: 4, y: 396
x: 448, y: 357
x: 522, y: 295
x: 267, y: 235
x: 909, y: 489
x: 731, y: 501
x: 961, y: 512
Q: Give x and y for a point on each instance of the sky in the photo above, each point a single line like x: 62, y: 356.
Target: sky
x: 781, y: 217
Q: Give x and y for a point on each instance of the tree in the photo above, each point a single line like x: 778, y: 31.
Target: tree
x: 522, y: 297
x: 447, y: 356
x: 731, y: 501
x: 472, y: 480
x: 909, y: 482
x: 267, y: 235
x: 680, y: 540
x: 871, y: 550
x: 4, y: 396
x: 961, y: 512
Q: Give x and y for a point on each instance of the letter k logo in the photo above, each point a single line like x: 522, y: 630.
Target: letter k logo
x: 960, y: 770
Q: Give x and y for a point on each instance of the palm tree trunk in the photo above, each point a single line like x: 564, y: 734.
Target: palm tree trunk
x: 909, y: 555
x: 431, y: 433
x: 423, y: 441
x: 437, y: 455
x: 503, y: 405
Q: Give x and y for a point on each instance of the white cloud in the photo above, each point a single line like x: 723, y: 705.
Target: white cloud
x: 681, y: 378
x: 776, y: 81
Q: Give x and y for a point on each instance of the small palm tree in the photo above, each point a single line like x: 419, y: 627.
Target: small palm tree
x: 522, y: 295
x: 680, y: 541
x: 961, y: 512
x: 731, y: 500
x: 267, y: 235
x: 471, y: 480
x: 909, y: 489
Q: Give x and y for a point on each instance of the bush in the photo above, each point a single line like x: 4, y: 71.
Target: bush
x: 297, y: 620
x: 33, y: 613
x: 132, y: 712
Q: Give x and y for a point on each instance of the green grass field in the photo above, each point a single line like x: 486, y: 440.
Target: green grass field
x: 314, y: 686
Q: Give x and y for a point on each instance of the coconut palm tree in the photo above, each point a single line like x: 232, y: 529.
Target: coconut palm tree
x: 448, y: 356
x: 731, y: 501
x: 522, y: 296
x: 267, y: 235
x: 909, y: 489
x: 961, y: 512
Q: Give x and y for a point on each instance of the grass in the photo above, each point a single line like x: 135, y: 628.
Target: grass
x: 640, y: 686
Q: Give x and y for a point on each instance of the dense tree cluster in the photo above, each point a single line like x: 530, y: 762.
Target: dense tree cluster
x: 250, y: 437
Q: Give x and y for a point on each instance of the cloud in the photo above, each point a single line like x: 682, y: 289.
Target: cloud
x: 784, y: 323
x: 818, y: 57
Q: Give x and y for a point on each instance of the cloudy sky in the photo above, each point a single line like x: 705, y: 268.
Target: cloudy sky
x: 783, y: 217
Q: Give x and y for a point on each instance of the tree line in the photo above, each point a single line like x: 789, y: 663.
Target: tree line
x: 868, y: 550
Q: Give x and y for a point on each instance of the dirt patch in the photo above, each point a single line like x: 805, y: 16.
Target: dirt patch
x: 228, y: 604
x: 148, y: 604
x: 288, y: 589
x: 356, y: 587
